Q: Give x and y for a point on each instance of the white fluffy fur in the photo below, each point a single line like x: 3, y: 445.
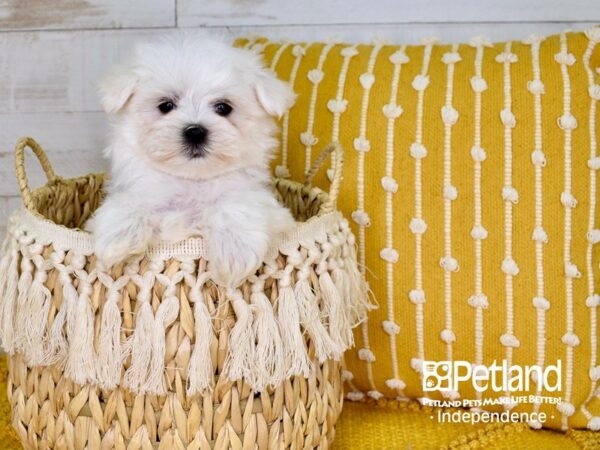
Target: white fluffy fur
x: 157, y: 191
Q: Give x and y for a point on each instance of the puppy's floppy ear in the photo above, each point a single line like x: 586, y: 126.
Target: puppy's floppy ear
x: 274, y: 95
x: 117, y: 89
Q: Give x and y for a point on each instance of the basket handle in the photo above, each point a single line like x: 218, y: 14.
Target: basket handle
x: 22, y: 144
x: 337, y: 151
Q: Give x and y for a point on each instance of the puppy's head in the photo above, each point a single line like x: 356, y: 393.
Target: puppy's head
x: 196, y: 107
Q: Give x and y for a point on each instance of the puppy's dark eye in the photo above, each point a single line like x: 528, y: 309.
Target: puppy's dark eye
x: 166, y: 107
x: 223, y: 109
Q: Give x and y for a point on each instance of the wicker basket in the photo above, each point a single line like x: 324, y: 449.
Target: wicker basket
x: 151, y: 353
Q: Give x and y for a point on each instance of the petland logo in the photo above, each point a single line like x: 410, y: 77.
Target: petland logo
x: 445, y: 376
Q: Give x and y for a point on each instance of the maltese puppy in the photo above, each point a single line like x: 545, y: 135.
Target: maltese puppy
x: 194, y: 134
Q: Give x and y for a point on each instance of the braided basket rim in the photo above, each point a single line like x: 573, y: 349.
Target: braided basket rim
x: 82, y: 240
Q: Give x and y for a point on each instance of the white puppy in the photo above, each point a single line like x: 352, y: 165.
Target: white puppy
x: 194, y: 134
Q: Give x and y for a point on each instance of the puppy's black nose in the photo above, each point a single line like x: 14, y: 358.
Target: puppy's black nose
x: 195, y: 135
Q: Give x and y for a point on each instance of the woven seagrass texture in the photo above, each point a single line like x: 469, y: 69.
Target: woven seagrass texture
x: 50, y: 411
x: 393, y: 425
x: 151, y: 353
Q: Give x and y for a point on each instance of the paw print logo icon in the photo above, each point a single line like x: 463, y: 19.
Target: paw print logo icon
x: 437, y: 376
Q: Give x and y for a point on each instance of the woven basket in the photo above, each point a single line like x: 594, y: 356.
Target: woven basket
x: 153, y: 354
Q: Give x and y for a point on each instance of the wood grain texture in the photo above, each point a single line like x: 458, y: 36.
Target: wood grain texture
x: 7, y: 206
x: 73, y: 141
x: 68, y: 163
x: 277, y: 12
x: 408, y: 33
x: 59, y: 71
x: 85, y: 14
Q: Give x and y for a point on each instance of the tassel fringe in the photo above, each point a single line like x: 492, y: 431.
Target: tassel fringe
x: 200, y: 369
x: 39, y: 300
x: 340, y: 280
x: 297, y: 361
x: 240, y: 356
x: 359, y: 294
x: 266, y: 343
x: 269, y: 346
x: 9, y: 279
x: 165, y: 315
x: 138, y: 344
x: 57, y: 346
x: 338, y: 323
x: 81, y: 362
x: 22, y: 311
x: 310, y: 317
x: 110, y: 352
x: 6, y: 256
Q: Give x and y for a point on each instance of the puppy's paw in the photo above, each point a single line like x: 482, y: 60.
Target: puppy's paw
x: 110, y: 252
x: 234, y: 257
x: 280, y: 220
x: 118, y: 234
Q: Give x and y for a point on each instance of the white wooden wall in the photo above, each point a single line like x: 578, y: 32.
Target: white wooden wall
x: 52, y: 53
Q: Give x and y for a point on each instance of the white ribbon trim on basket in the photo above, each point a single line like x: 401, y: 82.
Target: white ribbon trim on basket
x: 82, y: 242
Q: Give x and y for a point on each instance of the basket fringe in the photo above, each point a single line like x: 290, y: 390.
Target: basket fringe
x: 81, y: 363
x: 9, y: 278
x: 5, y: 260
x: 200, y: 369
x: 310, y: 318
x: 22, y: 311
x: 39, y: 301
x: 297, y: 360
x: 338, y: 324
x: 137, y: 344
x: 269, y: 346
x: 266, y: 343
x: 57, y: 345
x: 342, y: 284
x: 240, y: 355
x: 166, y: 314
x: 360, y: 301
x: 110, y: 353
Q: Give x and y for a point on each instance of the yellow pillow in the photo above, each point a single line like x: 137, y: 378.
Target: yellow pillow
x: 471, y: 181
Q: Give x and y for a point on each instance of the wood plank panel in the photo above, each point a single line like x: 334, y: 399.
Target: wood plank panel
x: 59, y: 71
x: 73, y: 141
x: 85, y: 14
x: 7, y: 206
x: 67, y: 163
x: 278, y: 12
x: 409, y: 33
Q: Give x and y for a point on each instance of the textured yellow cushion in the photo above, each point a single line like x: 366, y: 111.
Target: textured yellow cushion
x: 472, y: 200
